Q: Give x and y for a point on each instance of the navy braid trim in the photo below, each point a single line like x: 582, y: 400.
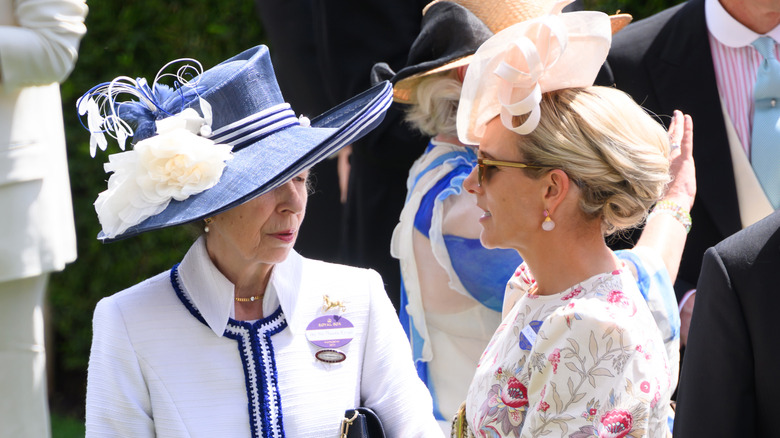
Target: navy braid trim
x: 257, y: 357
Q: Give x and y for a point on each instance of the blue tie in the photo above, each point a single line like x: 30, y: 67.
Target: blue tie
x: 765, y: 138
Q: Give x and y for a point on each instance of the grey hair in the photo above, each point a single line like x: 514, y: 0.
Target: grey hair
x: 435, y: 104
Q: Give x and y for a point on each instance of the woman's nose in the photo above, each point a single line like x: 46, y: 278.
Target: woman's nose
x: 291, y: 198
x: 470, y: 184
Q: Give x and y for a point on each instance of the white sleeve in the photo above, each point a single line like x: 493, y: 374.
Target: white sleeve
x: 389, y: 383
x: 43, y: 48
x: 118, y: 402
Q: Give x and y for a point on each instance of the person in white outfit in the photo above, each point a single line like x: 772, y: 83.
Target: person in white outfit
x: 245, y: 337
x: 38, y: 49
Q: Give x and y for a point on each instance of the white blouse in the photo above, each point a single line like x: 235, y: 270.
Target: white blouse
x: 167, y: 360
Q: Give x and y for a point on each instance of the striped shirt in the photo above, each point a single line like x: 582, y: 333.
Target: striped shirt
x: 736, y: 63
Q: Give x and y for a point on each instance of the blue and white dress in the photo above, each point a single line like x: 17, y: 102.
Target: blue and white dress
x: 452, y: 289
x: 169, y: 360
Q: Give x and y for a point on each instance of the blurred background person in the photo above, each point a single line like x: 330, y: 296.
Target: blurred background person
x: 732, y: 346
x: 38, y: 49
x: 699, y: 57
x: 452, y: 287
x: 354, y: 35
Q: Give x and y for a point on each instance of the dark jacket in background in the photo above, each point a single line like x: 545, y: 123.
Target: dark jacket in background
x: 664, y: 62
x: 729, y: 385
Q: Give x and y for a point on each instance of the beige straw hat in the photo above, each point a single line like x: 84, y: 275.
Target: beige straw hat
x: 500, y: 14
x: 497, y: 15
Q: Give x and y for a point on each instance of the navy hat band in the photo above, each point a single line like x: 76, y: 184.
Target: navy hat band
x: 256, y: 126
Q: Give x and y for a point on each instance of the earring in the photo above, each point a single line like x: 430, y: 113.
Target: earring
x: 207, y: 221
x: 548, y: 224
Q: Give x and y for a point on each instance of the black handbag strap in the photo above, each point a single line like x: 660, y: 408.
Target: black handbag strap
x: 361, y: 423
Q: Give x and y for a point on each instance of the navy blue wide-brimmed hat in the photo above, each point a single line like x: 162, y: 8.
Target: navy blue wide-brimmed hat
x: 211, y: 142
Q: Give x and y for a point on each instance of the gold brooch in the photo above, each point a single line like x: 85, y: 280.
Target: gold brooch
x: 332, y: 304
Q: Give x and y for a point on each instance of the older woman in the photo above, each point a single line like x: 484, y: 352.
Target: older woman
x: 244, y: 337
x: 562, y: 164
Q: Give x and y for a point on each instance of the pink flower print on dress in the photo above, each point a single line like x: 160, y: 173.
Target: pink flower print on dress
x: 505, y: 407
x: 616, y: 423
x: 555, y: 359
x: 645, y: 386
x: 591, y: 410
x: 621, y: 301
x: 524, y: 276
x: 516, y: 395
x: 571, y: 316
x: 543, y: 405
x: 576, y: 291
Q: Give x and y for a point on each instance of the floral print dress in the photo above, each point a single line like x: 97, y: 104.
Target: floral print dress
x: 586, y: 362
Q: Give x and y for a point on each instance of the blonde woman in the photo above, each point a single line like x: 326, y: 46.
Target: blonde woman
x: 561, y: 165
x: 453, y: 286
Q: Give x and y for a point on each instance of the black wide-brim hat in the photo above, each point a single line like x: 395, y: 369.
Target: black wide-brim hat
x: 269, y: 143
x: 449, y: 36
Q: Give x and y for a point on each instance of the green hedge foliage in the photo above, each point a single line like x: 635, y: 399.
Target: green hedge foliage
x: 133, y: 38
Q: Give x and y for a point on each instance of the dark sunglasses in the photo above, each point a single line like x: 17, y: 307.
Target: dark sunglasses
x: 483, y: 163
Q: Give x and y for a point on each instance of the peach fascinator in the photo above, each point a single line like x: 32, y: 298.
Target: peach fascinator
x: 512, y: 69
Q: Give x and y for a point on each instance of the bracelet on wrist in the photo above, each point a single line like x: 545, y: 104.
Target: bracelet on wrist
x: 675, y: 210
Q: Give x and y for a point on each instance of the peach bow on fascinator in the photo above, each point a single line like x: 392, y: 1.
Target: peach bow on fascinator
x: 512, y: 69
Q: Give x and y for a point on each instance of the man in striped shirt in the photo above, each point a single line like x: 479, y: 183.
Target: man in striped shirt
x: 697, y: 57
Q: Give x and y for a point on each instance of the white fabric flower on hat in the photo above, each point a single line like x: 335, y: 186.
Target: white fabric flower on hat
x: 175, y: 164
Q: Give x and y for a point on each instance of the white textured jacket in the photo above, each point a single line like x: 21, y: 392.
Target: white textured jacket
x: 38, y: 47
x: 167, y: 359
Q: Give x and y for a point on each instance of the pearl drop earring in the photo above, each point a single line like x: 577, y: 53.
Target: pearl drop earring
x: 548, y: 224
x: 207, y: 221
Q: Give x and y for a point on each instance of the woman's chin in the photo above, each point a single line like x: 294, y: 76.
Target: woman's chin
x: 486, y: 241
x: 276, y: 255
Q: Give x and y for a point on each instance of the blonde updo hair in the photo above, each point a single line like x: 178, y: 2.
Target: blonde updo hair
x: 609, y: 146
x: 435, y: 104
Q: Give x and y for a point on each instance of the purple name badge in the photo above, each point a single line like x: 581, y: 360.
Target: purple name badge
x: 330, y: 331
